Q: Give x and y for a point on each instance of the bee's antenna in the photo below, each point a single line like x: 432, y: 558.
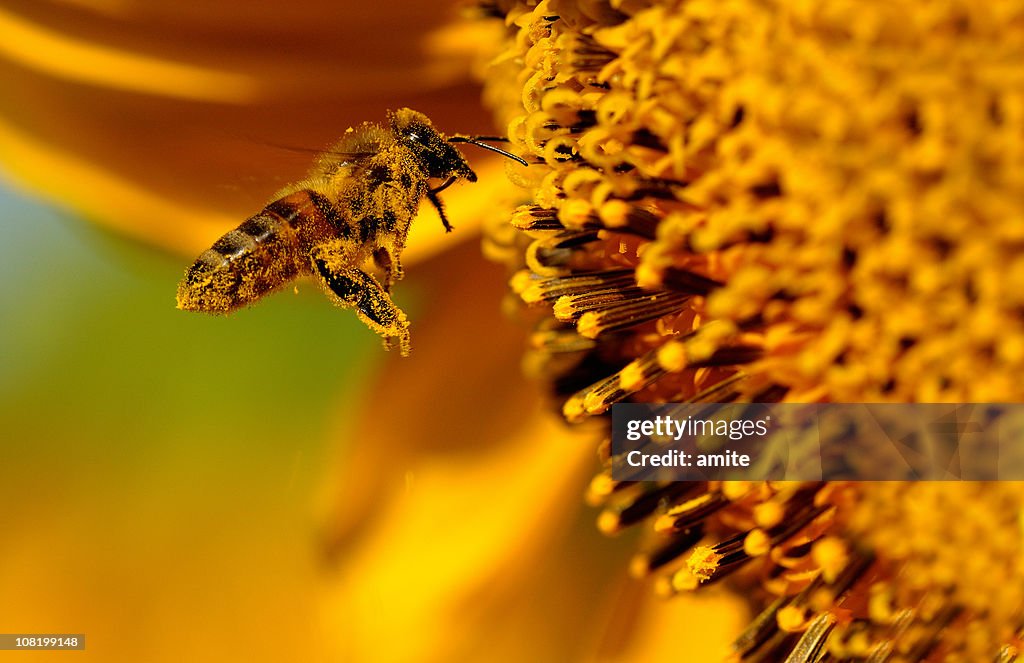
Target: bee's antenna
x: 475, y: 140
x: 494, y: 139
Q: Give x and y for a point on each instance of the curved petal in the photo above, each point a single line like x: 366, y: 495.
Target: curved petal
x: 173, y: 124
x: 455, y: 551
x: 643, y: 627
x: 457, y: 528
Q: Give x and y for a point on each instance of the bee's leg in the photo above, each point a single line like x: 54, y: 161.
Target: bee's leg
x: 435, y: 200
x: 356, y: 289
x: 390, y: 265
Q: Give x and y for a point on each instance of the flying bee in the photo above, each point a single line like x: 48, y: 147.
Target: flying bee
x: 354, y: 207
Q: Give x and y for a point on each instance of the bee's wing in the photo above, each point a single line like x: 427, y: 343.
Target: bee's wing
x: 330, y: 163
x: 354, y: 147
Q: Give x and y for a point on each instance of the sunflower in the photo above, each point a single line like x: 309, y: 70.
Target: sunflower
x: 727, y: 201
x: 770, y: 201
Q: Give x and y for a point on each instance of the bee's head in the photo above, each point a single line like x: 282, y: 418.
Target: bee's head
x: 437, y: 156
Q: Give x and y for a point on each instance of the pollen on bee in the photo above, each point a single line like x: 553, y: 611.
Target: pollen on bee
x: 352, y: 213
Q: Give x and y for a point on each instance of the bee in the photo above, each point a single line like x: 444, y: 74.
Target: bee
x: 354, y: 208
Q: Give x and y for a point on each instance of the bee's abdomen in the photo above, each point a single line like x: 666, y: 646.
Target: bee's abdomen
x: 255, y: 258
x: 311, y: 215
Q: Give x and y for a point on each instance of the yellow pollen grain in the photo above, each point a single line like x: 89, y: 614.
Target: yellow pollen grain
x: 600, y: 487
x: 563, y: 308
x: 757, y: 543
x: 792, y: 619
x: 703, y: 562
x: 521, y: 282
x: 683, y: 581
x: 832, y: 555
x: 594, y: 403
x: 690, y: 505
x: 575, y: 213
x: 665, y: 523
x: 614, y: 213
x: 639, y: 566
x: 672, y: 356
x: 608, y: 522
x: 768, y: 514
x: 573, y: 410
x: 880, y: 608
x: 734, y: 490
x: 663, y: 587
x: 858, y: 645
x: 632, y: 376
x: 589, y: 325
x: 648, y: 277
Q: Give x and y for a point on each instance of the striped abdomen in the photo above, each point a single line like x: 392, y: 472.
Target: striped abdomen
x: 259, y: 256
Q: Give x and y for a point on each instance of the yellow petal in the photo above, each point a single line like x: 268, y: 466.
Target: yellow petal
x: 643, y: 627
x: 59, y: 55
x: 454, y: 545
x: 172, y: 124
x: 457, y: 526
x: 456, y: 512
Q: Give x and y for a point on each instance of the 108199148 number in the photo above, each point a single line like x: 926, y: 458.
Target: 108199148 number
x: 47, y: 641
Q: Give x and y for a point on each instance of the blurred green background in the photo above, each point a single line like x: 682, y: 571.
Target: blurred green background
x: 159, y: 470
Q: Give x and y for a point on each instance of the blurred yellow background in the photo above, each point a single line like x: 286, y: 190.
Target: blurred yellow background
x: 158, y: 469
